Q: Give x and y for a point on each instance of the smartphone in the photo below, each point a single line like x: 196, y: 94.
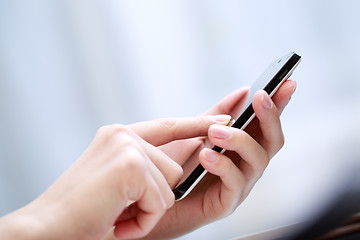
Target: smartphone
x: 270, y: 81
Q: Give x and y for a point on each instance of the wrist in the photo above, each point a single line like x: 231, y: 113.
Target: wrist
x: 21, y: 224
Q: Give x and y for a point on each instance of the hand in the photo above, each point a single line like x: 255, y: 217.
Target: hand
x: 233, y: 174
x: 116, y: 185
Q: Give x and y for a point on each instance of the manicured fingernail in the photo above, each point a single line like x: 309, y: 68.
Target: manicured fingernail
x: 210, y: 155
x: 295, y: 85
x: 294, y: 88
x: 222, y: 119
x: 219, y: 131
x: 266, y: 101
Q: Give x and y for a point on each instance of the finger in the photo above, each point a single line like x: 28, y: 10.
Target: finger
x: 269, y: 122
x: 232, y: 104
x: 164, y: 165
x: 163, y: 183
x: 180, y: 151
x: 161, y: 164
x: 233, y: 180
x: 243, y: 144
x: 151, y: 206
x: 163, y: 170
x: 282, y: 97
x: 161, y: 131
x: 109, y: 235
x: 130, y: 212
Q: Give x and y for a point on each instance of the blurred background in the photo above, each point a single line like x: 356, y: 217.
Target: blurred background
x: 68, y: 67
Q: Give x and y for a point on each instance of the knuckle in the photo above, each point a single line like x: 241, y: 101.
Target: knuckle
x: 120, y: 136
x: 275, y: 146
x: 239, y: 136
x: 224, y: 165
x: 110, y: 130
x: 203, y: 121
x: 260, y: 166
x: 132, y: 161
x: 170, y: 124
x: 265, y: 161
x: 102, y: 130
x: 118, y: 129
x: 130, y: 166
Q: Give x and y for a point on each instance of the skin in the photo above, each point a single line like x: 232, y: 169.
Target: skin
x: 121, y: 186
x: 233, y: 174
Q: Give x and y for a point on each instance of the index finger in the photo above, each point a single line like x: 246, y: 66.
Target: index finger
x: 165, y: 130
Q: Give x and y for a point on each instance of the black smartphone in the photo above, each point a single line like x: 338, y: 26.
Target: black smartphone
x: 270, y: 81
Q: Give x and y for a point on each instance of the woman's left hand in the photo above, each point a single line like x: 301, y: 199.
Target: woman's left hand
x: 234, y: 173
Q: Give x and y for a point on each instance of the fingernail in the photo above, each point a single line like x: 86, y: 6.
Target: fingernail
x: 266, y: 101
x: 222, y: 119
x: 210, y: 155
x: 219, y: 131
x: 294, y: 88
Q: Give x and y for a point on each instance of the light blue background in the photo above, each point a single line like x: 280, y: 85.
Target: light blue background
x: 69, y: 67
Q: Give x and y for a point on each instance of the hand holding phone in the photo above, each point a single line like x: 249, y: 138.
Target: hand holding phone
x: 270, y: 81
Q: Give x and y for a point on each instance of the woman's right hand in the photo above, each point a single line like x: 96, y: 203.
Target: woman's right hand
x: 120, y: 185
